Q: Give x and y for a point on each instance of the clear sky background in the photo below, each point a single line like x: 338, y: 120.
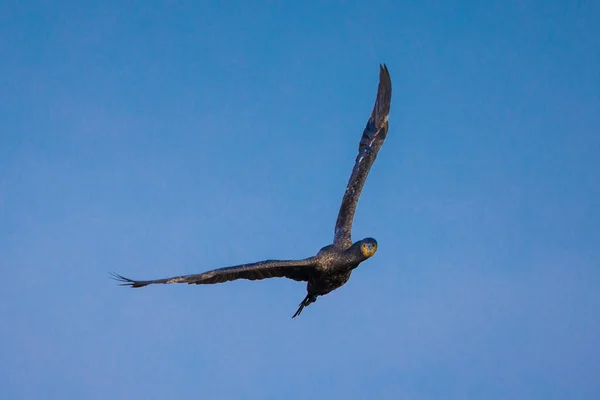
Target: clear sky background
x: 163, y: 138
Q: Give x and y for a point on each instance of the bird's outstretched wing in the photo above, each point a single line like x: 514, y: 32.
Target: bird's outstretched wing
x: 370, y: 143
x: 298, y: 270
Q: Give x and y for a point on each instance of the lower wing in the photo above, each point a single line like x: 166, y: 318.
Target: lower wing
x: 298, y: 270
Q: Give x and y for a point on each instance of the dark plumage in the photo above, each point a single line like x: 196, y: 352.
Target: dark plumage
x: 333, y: 264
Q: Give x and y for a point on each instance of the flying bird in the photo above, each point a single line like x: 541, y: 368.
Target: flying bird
x: 331, y: 267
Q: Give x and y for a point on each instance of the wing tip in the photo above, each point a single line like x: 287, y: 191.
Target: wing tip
x: 126, y: 281
x: 384, y: 76
x: 384, y: 96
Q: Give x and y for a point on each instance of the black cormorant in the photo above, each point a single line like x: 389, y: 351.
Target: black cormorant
x: 333, y: 264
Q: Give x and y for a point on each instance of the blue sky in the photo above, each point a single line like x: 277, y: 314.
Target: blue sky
x: 163, y: 138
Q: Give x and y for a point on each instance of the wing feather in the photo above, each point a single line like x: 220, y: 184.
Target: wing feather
x: 371, y: 141
x: 298, y: 270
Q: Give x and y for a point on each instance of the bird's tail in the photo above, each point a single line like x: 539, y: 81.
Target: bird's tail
x: 307, y: 301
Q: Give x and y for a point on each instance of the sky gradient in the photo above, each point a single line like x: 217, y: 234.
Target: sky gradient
x: 164, y: 138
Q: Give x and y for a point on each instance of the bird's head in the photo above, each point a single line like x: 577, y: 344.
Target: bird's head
x: 368, y: 247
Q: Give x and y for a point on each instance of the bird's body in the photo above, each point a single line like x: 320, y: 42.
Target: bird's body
x: 332, y: 266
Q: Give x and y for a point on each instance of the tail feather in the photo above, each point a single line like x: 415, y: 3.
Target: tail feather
x: 309, y: 299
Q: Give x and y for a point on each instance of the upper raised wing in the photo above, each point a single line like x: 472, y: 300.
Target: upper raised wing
x: 298, y: 270
x: 370, y: 143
